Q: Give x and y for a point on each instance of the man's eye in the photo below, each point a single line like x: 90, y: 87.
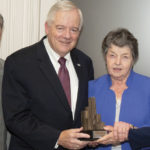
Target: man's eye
x: 59, y: 28
x: 75, y: 30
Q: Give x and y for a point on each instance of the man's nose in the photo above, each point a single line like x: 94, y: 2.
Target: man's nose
x: 67, y: 33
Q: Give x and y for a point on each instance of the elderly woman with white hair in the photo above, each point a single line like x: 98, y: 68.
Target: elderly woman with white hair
x: 122, y: 95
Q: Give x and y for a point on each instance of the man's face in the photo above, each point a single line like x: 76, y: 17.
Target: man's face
x: 63, y: 32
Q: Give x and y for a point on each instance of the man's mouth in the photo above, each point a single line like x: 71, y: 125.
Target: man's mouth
x: 65, y: 42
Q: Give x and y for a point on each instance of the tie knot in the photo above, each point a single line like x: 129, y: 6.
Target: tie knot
x: 62, y: 61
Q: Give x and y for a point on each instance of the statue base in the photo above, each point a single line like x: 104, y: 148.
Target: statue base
x: 94, y: 135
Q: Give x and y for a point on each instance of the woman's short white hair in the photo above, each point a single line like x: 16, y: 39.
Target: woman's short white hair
x: 64, y: 5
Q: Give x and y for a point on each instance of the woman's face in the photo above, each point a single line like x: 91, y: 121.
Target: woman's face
x: 119, y: 62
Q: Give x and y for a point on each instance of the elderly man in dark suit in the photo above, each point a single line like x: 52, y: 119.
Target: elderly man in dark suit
x: 45, y: 86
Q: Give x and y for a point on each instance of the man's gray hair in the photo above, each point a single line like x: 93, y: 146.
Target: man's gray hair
x: 63, y: 5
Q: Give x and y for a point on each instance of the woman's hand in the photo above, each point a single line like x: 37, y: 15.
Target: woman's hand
x: 116, y: 134
x: 121, y: 130
x: 109, y: 138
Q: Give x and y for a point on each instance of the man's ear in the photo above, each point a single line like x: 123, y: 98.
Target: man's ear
x: 46, y: 28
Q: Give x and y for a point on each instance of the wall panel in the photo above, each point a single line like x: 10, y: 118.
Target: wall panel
x: 24, y: 23
x: 101, y: 16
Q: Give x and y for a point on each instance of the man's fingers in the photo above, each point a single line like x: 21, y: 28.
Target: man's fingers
x: 77, y: 133
x: 70, y: 139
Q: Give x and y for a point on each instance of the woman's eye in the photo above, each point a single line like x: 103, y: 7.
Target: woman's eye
x: 111, y: 55
x: 126, y: 57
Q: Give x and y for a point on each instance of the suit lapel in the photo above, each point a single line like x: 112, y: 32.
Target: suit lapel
x: 78, y: 67
x: 50, y: 73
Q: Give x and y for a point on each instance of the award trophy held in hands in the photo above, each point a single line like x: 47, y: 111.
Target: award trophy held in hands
x: 91, y: 121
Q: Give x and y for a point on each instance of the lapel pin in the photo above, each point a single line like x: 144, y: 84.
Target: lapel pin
x: 78, y: 65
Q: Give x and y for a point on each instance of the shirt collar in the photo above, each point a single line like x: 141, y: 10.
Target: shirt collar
x: 52, y: 53
x: 128, y: 82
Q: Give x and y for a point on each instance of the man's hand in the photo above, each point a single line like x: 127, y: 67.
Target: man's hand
x: 70, y: 139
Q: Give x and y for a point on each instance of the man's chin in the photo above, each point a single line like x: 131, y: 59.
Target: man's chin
x: 66, y: 48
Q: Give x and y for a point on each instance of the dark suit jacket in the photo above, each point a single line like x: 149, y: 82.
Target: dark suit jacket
x: 139, y: 138
x: 2, y: 125
x: 35, y: 106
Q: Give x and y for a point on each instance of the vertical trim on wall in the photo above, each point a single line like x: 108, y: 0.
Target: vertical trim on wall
x: 39, y: 18
x: 45, y: 6
x: 21, y: 25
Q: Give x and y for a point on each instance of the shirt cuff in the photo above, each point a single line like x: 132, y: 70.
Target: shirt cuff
x: 56, y: 146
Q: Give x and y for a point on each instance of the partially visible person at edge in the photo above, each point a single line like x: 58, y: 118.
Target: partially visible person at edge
x: 122, y: 95
x: 137, y: 137
x: 2, y: 125
x: 36, y: 107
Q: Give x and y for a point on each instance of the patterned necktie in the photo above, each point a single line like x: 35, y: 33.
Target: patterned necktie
x: 64, y: 78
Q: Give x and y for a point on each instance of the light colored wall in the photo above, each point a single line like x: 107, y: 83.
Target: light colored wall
x: 45, y: 6
x: 23, y: 23
x: 101, y: 16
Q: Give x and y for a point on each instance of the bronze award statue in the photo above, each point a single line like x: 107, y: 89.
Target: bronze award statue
x: 91, y: 121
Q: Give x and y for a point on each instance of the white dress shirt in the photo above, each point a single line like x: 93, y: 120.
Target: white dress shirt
x: 118, y: 104
x: 54, y: 57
